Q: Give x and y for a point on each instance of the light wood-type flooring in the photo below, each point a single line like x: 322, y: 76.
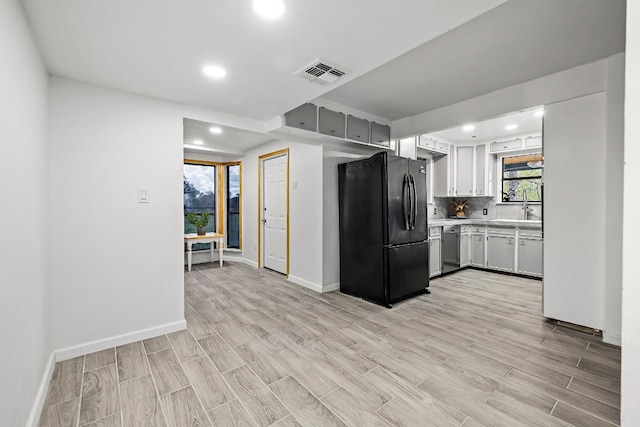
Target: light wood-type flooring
x: 262, y: 351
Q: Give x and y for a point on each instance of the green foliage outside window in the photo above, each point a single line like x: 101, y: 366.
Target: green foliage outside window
x: 522, y: 175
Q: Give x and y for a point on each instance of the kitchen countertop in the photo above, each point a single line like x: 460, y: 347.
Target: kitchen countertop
x: 440, y: 222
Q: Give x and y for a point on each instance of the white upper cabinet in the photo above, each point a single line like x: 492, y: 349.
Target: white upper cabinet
x: 481, y: 170
x: 432, y: 145
x: 464, y: 171
x: 533, y: 141
x: 441, y: 176
x: 510, y: 145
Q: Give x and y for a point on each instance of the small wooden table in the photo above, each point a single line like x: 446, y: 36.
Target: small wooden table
x: 192, y: 238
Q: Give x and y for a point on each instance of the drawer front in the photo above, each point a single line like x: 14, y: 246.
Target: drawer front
x: 529, y: 232
x: 478, y: 229
x: 498, y: 146
x: 502, y: 231
x: 435, y: 231
x: 442, y: 146
x: 426, y: 142
x: 465, y: 229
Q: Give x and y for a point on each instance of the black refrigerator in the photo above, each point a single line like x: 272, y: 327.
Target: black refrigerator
x: 384, y: 247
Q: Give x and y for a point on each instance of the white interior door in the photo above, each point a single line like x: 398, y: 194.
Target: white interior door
x: 274, y: 213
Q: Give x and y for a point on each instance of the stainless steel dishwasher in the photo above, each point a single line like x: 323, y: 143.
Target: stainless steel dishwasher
x: 450, y: 248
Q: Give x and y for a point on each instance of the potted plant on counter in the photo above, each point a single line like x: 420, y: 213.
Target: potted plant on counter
x: 459, y: 207
x: 200, y: 221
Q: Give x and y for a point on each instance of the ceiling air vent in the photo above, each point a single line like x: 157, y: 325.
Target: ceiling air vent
x: 321, y: 71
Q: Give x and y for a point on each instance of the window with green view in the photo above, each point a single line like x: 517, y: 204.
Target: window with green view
x: 522, y: 176
x: 199, y: 196
x: 233, y: 206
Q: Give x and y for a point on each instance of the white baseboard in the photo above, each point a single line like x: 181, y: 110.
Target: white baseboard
x: 305, y: 283
x: 615, y: 339
x: 41, y: 395
x: 331, y: 287
x: 103, y: 344
x: 241, y: 259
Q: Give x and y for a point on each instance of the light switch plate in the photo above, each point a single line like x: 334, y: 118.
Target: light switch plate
x: 143, y: 195
x: 484, y: 211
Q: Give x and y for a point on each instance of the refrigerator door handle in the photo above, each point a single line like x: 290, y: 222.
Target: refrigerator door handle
x: 415, y: 202
x: 406, y: 196
x: 410, y: 183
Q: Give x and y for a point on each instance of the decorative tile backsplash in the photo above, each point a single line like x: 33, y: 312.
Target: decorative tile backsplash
x: 477, y: 204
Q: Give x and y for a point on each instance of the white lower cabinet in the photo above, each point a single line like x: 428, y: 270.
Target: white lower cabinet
x: 465, y: 246
x: 501, y: 252
x: 501, y: 248
x: 530, y: 256
x: 477, y: 250
x: 435, y: 259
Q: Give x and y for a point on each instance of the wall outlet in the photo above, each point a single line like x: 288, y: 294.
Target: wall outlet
x: 484, y: 211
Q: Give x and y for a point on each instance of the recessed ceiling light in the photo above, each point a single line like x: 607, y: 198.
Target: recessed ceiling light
x: 538, y: 113
x: 468, y: 128
x: 215, y: 130
x: 198, y: 142
x: 214, y: 71
x: 269, y: 9
x: 511, y: 127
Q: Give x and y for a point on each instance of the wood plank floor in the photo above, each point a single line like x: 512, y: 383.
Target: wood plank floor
x: 262, y: 351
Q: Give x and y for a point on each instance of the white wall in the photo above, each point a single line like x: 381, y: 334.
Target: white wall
x: 117, y: 265
x: 614, y: 189
x: 567, y: 84
x: 631, y: 241
x: 602, y: 149
x: 574, y: 237
x: 25, y: 288
x: 305, y: 204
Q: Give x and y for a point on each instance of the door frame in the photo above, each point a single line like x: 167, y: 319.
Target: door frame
x: 261, y: 159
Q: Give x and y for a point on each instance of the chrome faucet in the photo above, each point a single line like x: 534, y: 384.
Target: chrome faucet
x: 525, y: 206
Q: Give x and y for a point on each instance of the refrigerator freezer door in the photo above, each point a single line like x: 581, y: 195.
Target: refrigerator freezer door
x: 417, y: 169
x: 408, y: 270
